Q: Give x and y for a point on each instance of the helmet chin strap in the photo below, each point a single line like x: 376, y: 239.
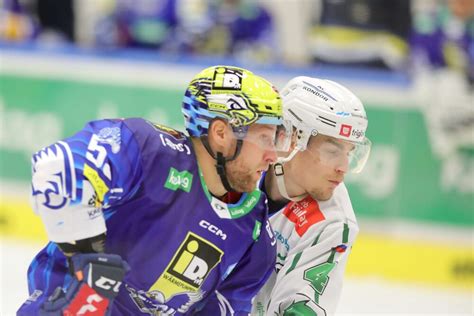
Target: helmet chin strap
x: 280, y: 178
x: 221, y: 161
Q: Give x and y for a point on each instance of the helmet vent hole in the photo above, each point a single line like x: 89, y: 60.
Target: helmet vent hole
x: 300, y: 134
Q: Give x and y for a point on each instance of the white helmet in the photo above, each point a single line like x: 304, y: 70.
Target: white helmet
x: 317, y: 106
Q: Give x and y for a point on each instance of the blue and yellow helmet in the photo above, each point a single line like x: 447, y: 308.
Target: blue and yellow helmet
x: 231, y: 93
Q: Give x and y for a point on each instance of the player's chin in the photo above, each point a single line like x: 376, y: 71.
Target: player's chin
x: 248, y: 185
x: 329, y: 193
x: 323, y: 195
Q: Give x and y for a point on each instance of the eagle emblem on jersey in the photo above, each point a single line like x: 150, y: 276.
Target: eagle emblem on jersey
x: 111, y: 136
x: 154, y: 302
x: 50, y: 185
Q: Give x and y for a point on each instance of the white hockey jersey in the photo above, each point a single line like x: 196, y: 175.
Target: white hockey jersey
x: 314, y: 242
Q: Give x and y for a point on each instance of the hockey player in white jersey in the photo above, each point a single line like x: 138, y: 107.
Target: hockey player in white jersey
x: 312, y: 216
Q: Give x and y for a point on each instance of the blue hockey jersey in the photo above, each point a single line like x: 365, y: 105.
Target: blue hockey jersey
x: 189, y: 253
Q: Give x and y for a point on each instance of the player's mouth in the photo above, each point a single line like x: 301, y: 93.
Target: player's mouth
x: 334, y: 183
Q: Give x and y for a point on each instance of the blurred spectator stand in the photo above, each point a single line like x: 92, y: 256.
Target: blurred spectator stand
x: 234, y: 28
x: 369, y: 33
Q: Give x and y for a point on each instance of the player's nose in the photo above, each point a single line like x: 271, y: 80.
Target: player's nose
x: 270, y: 156
x: 342, y: 165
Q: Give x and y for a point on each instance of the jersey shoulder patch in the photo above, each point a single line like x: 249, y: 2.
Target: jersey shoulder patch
x: 172, y: 139
x: 177, y: 135
x: 158, y: 139
x: 304, y: 214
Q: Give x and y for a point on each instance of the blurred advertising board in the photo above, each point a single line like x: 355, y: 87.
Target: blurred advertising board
x: 420, y: 171
x: 48, y: 97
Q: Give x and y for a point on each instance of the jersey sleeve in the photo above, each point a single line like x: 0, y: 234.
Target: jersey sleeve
x: 47, y: 271
x: 310, y: 280
x: 234, y: 296
x: 73, y: 180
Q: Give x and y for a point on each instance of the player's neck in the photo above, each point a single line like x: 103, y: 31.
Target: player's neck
x: 207, y: 164
x: 292, y: 188
x: 271, y: 186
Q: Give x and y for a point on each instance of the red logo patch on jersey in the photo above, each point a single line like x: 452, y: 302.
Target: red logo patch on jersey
x: 304, y: 214
x: 345, y: 130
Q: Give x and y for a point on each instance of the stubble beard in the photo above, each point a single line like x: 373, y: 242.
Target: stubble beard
x: 240, y: 177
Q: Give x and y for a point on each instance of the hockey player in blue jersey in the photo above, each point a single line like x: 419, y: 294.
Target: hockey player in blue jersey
x: 146, y: 220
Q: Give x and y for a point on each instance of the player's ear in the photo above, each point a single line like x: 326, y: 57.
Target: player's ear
x: 220, y: 134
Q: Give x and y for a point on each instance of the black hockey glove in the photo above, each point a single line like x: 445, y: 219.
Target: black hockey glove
x: 97, y: 280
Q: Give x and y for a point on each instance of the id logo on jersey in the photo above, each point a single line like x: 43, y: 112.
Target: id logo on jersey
x: 194, y: 260
x: 190, y: 266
